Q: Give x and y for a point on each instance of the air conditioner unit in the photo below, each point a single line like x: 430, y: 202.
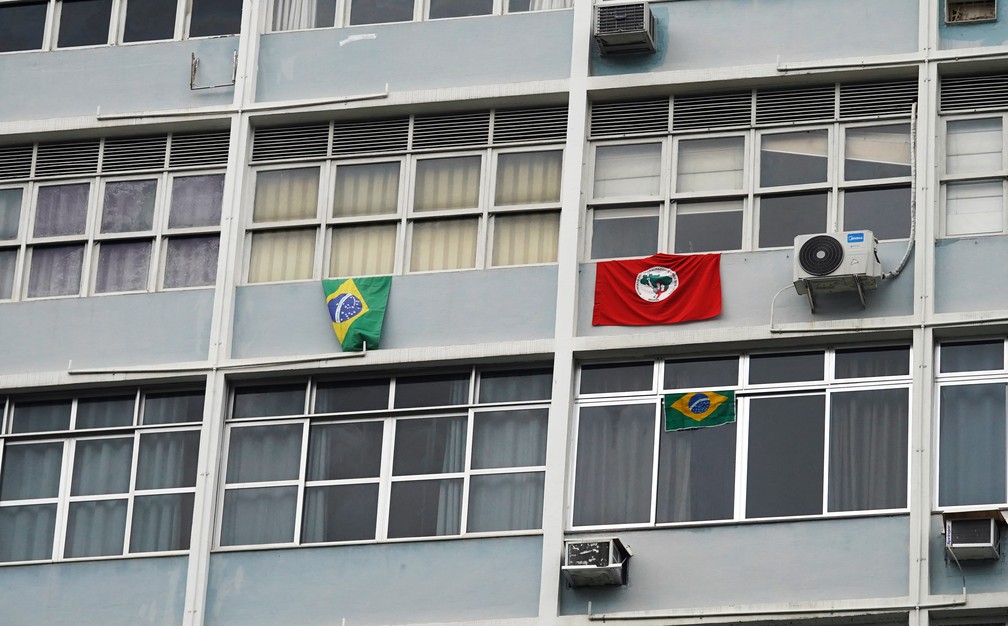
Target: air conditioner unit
x: 832, y: 262
x: 624, y: 28
x: 968, y: 538
x: 595, y: 562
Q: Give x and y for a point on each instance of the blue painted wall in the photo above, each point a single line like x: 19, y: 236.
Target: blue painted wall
x: 959, y: 265
x: 982, y: 576
x: 972, y: 35
x: 425, y: 581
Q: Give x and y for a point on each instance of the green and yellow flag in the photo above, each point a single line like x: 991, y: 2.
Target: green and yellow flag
x: 698, y: 409
x: 357, y: 309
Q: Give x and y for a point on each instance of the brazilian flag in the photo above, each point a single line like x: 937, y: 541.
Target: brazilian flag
x: 357, y: 309
x: 698, y: 409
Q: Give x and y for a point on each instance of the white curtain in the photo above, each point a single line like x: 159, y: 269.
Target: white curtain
x: 55, y: 271
x: 123, y: 266
x: 293, y: 14
x: 61, y: 210
x: 191, y: 261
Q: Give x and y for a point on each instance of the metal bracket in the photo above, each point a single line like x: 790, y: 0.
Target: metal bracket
x: 810, y: 289
x: 194, y: 64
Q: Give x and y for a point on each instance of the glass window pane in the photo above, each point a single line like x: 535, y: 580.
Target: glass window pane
x: 793, y: 158
x: 27, y: 530
x: 102, y: 466
x: 429, y: 446
x: 167, y: 460
x: 972, y: 356
x: 105, y: 412
x: 215, y: 17
x: 712, y: 373
x: 971, y: 468
x: 624, y: 233
x: 196, y: 201
x: 173, y: 407
x: 782, y: 218
x: 868, y: 450
x: 128, y: 206
x: 708, y: 226
x: 256, y: 516
x: 61, y: 210
x: 877, y: 152
x: 885, y: 212
x: 447, y: 183
x: 617, y: 377
x: 84, y: 22
x: 443, y: 245
x: 973, y: 146
x: 528, y: 177
x: 380, y: 11
x: 785, y: 368
x: 615, y: 455
x: 262, y: 453
x: 514, y: 438
x: 525, y: 239
x: 785, y: 470
x: 282, y: 255
x: 298, y: 14
x: 148, y: 20
x: 123, y: 266
x: 866, y: 362
x: 22, y: 26
x: 352, y: 395
x: 191, y: 261
x: 425, y: 508
x: 31, y: 471
x: 55, y: 271
x: 501, y: 502
x: 459, y: 8
x: 519, y: 6
x: 10, y: 206
x: 974, y: 208
x: 8, y: 262
x: 515, y: 386
x: 36, y: 417
x: 340, y: 513
x: 433, y: 390
x: 343, y: 451
x: 696, y: 474
x: 95, y: 528
x: 269, y: 400
x: 710, y: 164
x: 363, y: 250
x: 286, y: 195
x: 162, y: 522
x: 366, y: 189
x: 630, y: 170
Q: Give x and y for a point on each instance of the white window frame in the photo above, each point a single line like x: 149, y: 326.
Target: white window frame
x: 988, y: 176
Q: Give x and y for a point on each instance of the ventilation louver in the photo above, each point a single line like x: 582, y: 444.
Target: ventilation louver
x: 876, y: 99
x: 539, y: 125
x: 451, y: 131
x: 968, y: 93
x: 391, y: 135
x: 200, y: 149
x: 795, y: 105
x: 624, y: 28
x: 717, y: 111
x: 134, y: 153
x: 290, y: 142
x: 15, y: 162
x: 62, y: 159
x: 635, y: 117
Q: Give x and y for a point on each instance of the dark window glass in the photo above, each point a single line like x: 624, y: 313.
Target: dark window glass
x: 696, y: 474
x: 869, y: 362
x: 352, y: 395
x: 261, y: 453
x: 877, y: 152
x: 617, y: 233
x: 782, y: 218
x: 31, y: 471
x: 84, y: 22
x: 515, y: 438
x: 438, y: 390
x: 493, y: 499
x: 971, y: 467
x: 27, y: 532
x: 196, y: 200
x: 701, y: 373
x: 425, y: 508
x: 10, y: 207
x: 162, y: 522
x: 342, y: 451
x: 34, y: 417
x: 105, y: 412
x: 61, y: 210
x: 707, y: 231
x: 615, y: 377
x: 215, y: 17
x: 260, y: 515
x: 511, y: 386
x: 459, y: 8
x: 885, y: 212
x: 95, y: 528
x: 167, y: 460
x: 147, y: 20
x: 429, y: 446
x: 191, y: 261
x: 380, y: 11
x: 22, y: 26
x: 786, y: 368
x: 972, y: 356
x: 793, y: 158
x: 173, y: 407
x: 55, y: 271
x: 340, y: 513
x: 128, y: 206
x: 269, y: 400
x: 101, y: 466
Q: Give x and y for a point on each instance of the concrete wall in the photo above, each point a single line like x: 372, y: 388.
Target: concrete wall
x: 970, y: 274
x: 982, y: 576
x: 972, y: 35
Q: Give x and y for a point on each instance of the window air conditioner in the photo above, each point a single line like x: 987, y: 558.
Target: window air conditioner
x: 972, y: 538
x: 833, y: 262
x: 624, y: 28
x: 594, y: 562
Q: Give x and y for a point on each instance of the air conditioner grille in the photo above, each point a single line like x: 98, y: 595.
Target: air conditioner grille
x: 870, y: 99
x: 541, y: 125
x: 15, y: 162
x: 200, y: 149
x: 134, y: 153
x: 58, y: 159
x: 718, y: 111
x: 796, y: 105
x: 620, y: 18
x: 971, y: 531
x: 636, y: 117
x: 821, y: 255
x: 447, y: 131
x: 290, y: 142
x: 593, y: 553
x: 974, y: 92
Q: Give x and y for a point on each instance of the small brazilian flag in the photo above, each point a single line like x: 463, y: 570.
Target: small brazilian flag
x: 357, y: 309
x: 698, y: 409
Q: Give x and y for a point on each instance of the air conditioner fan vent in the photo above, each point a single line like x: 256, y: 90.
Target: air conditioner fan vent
x: 821, y: 256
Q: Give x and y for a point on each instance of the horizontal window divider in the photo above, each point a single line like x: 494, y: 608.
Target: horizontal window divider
x: 409, y: 478
x: 33, y: 501
x: 511, y: 469
x: 286, y: 482
x: 524, y: 208
x: 368, y: 480
x: 872, y: 183
x: 712, y: 196
x: 627, y: 202
x: 789, y: 190
x: 285, y: 225
x: 98, y: 497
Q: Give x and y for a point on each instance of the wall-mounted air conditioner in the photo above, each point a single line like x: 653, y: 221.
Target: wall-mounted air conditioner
x: 594, y: 562
x: 970, y: 11
x: 972, y: 538
x: 628, y: 27
x: 833, y: 262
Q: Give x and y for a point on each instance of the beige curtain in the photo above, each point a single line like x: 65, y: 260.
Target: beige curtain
x: 449, y: 183
x: 282, y: 195
x: 366, y: 189
x: 363, y: 250
x: 444, y: 245
x: 282, y: 255
x: 528, y: 177
x: 293, y: 14
x: 525, y: 238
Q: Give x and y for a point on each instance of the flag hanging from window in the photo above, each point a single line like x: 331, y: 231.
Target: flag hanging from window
x: 660, y: 289
x: 698, y: 409
x: 357, y: 309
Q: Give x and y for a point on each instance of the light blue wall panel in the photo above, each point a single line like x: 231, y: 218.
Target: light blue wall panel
x: 982, y: 576
x: 970, y: 274
x: 693, y: 34
x: 415, y: 55
x: 115, y: 79
x: 749, y: 281
x: 972, y: 35
x: 755, y: 564
x: 131, y: 592
x: 431, y: 581
x: 436, y: 309
x: 105, y: 331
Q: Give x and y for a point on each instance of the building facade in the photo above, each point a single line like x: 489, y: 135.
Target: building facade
x: 184, y: 442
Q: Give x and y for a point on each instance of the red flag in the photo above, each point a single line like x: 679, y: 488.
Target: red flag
x: 661, y: 289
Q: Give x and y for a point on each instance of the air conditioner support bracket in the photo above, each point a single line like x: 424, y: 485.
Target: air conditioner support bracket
x: 810, y: 288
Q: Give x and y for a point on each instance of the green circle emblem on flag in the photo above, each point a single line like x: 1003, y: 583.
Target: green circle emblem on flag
x: 656, y: 284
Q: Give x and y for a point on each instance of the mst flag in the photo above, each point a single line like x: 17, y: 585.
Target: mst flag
x: 661, y: 289
x: 697, y: 409
x: 357, y: 309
